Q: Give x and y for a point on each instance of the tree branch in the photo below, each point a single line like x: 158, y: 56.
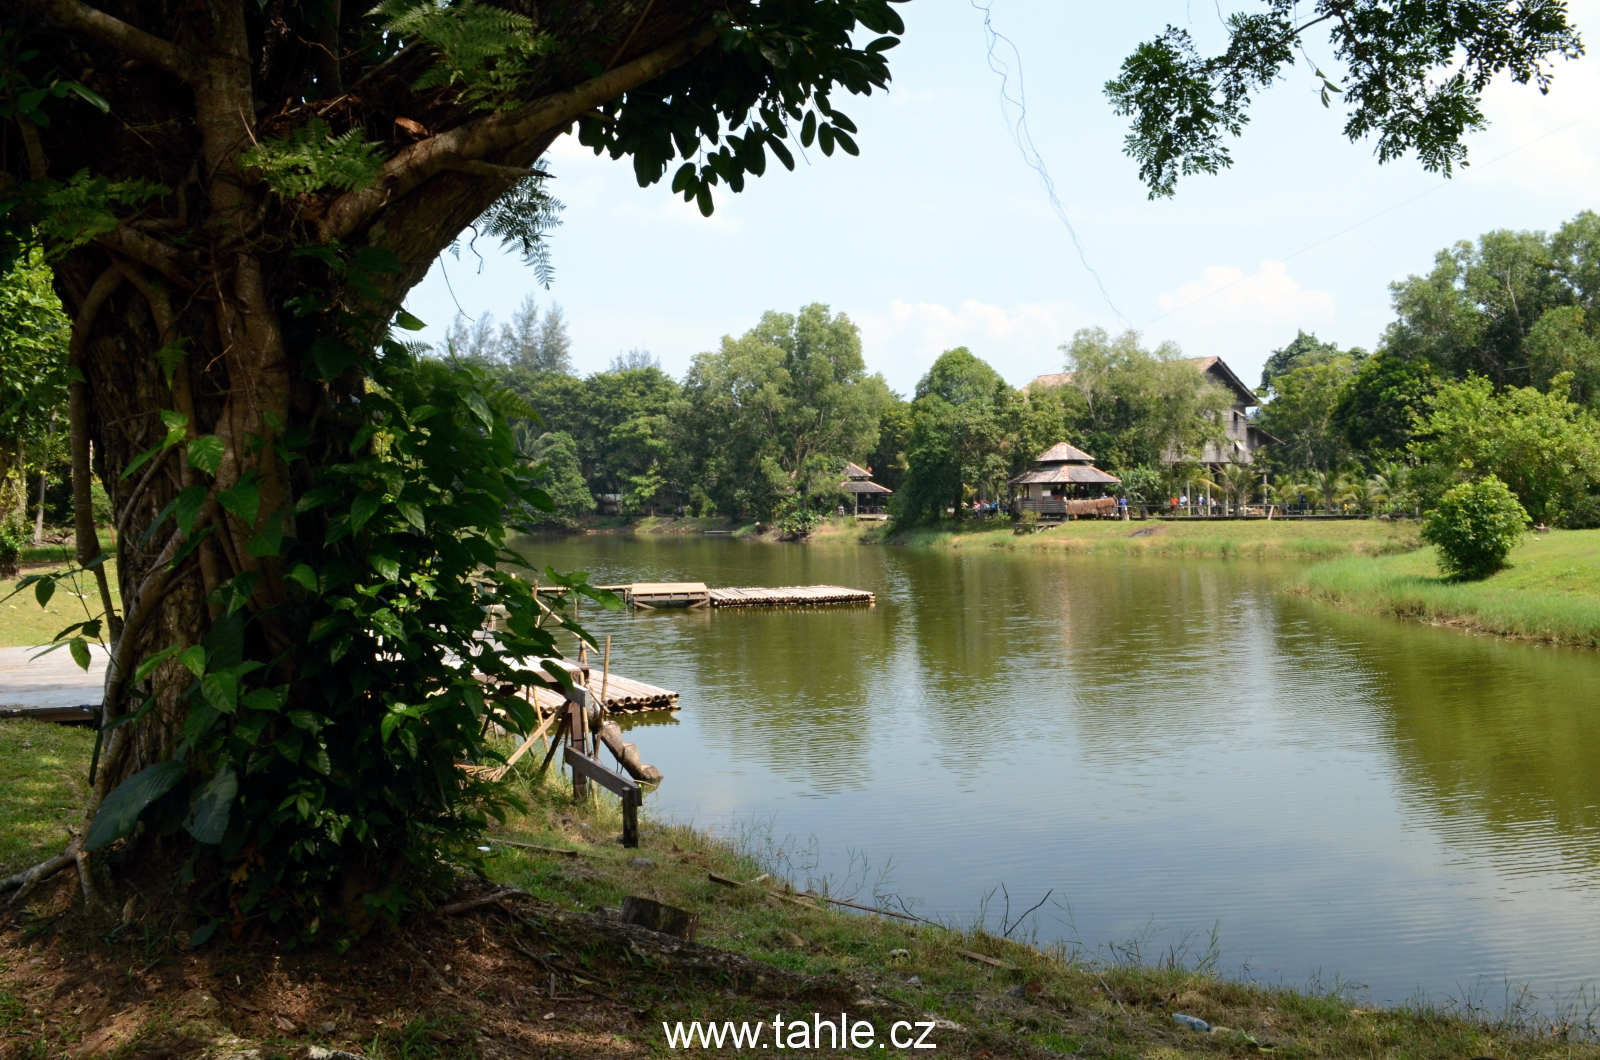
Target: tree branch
x: 489, y: 169
x: 494, y: 133
x: 130, y: 40
x: 87, y: 541
x: 147, y: 251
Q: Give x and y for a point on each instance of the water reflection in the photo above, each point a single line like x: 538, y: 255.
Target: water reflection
x: 1164, y: 741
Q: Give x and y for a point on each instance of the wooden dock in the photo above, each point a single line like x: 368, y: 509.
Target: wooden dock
x: 697, y: 594
x: 622, y: 694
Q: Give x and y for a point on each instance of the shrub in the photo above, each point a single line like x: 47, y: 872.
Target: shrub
x: 1475, y: 526
x: 799, y: 523
x: 14, y: 534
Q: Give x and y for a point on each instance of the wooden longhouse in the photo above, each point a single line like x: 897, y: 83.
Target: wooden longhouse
x: 1063, y: 483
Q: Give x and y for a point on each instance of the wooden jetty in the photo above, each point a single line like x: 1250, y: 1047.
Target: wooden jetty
x: 697, y: 594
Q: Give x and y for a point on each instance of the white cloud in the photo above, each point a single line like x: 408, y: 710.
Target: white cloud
x: 1224, y: 295
x: 1020, y: 341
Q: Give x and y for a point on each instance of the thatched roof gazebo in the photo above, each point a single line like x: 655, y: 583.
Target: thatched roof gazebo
x: 1061, y: 481
x: 858, y: 481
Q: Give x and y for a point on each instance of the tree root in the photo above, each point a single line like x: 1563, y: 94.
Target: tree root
x: 25, y: 881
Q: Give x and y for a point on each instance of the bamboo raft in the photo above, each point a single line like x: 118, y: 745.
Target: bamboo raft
x: 790, y: 596
x: 623, y: 695
x: 697, y: 594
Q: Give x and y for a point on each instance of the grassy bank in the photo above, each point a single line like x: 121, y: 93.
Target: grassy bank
x: 1313, y: 539
x: 546, y: 970
x: 1550, y: 592
x: 23, y: 623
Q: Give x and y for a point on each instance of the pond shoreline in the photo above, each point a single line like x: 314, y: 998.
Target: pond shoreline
x: 555, y: 865
x: 1549, y: 592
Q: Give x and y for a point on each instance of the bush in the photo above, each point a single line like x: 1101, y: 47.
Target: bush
x: 1475, y: 526
x: 799, y: 523
x: 14, y: 534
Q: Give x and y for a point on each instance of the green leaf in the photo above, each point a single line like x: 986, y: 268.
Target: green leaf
x: 413, y: 514
x: 364, y: 507
x: 148, y: 667
x: 268, y: 542
x: 221, y: 691
x: 187, y: 505
x: 304, y: 576
x: 808, y: 128
x: 205, y: 453
x: 44, y: 590
x: 315, y: 498
x: 244, y: 500
x: 208, y: 810
x: 194, y: 658
x: 202, y: 934
x: 405, y: 320
x: 387, y: 566
x: 120, y: 810
x: 265, y: 700
x: 80, y: 653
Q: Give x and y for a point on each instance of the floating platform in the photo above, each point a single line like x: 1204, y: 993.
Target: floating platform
x: 790, y: 596
x: 697, y: 594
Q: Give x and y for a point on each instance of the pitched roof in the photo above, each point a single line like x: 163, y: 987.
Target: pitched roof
x: 1215, y: 367
x: 1062, y: 453
x: 856, y: 471
x: 1063, y: 473
x: 854, y: 486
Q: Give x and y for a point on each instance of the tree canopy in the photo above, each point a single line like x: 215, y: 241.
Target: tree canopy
x: 1411, y: 75
x: 233, y: 199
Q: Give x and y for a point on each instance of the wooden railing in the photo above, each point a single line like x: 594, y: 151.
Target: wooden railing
x: 1101, y: 506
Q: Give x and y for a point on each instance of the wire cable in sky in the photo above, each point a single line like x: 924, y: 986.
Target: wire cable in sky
x: 1024, y: 140
x: 1368, y: 220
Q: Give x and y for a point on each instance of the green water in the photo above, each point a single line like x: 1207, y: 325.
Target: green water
x: 1164, y: 745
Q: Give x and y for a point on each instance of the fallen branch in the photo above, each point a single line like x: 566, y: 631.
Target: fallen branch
x: 480, y: 900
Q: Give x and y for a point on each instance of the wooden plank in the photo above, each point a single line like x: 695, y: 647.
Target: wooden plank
x: 632, y: 797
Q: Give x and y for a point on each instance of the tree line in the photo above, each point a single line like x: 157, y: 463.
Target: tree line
x: 1490, y: 367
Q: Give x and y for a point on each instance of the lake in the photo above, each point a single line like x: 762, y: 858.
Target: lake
x: 1165, y: 746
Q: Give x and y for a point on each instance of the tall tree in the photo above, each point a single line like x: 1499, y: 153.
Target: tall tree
x: 781, y: 409
x: 234, y: 198
x: 1306, y: 349
x: 962, y: 437
x: 1413, y: 76
x: 1132, y: 407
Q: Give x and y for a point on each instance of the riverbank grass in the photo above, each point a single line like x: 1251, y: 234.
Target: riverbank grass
x: 543, y: 970
x: 1313, y: 539
x: 1550, y: 591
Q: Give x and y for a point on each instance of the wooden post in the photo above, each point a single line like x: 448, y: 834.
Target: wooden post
x: 632, y: 798
x: 605, y: 676
x: 578, y: 737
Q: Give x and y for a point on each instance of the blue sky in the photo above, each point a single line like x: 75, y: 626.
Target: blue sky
x: 941, y: 235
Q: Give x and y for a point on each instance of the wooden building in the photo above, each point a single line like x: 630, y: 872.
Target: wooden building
x: 1241, y: 438
x: 1064, y: 482
x: 858, y: 484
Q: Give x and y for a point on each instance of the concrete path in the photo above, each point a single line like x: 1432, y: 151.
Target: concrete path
x: 52, y: 681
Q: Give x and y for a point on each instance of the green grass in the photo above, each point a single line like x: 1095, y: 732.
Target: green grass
x: 1550, y: 591
x: 23, y: 623
x: 1313, y: 539
x: 44, y: 780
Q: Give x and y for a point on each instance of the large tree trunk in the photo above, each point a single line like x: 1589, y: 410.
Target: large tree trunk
x: 183, y: 307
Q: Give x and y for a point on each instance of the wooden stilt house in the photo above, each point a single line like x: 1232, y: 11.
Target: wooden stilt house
x: 1063, y: 483
x: 858, y: 484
